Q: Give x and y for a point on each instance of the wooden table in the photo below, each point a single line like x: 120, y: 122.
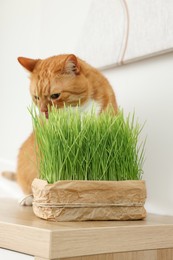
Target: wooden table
x: 22, y: 231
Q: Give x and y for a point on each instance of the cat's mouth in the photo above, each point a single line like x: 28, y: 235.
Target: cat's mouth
x: 46, y: 114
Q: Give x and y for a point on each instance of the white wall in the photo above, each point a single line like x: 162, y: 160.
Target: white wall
x: 7, y: 255
x: 40, y: 28
x: 20, y: 35
x: 147, y: 88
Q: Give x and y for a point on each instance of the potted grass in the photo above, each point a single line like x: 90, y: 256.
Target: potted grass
x: 90, y: 167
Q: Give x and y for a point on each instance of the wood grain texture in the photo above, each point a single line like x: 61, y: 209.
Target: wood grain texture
x: 106, y: 240
x: 161, y: 254
x: 22, y: 231
x: 165, y: 254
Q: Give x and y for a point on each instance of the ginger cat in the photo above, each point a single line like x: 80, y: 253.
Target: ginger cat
x: 58, y: 80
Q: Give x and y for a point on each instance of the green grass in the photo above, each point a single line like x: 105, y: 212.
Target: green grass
x: 87, y: 147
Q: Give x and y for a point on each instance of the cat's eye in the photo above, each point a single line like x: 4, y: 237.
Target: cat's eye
x: 55, y: 96
x: 36, y: 97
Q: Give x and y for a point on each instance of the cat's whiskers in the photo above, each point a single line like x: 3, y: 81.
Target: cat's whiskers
x: 86, y: 107
x: 89, y: 106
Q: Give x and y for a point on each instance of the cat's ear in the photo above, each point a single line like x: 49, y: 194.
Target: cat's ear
x: 27, y: 63
x: 71, y: 65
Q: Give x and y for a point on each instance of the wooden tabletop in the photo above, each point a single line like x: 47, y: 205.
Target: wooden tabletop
x: 22, y: 231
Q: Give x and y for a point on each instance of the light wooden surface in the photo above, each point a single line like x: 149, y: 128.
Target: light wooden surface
x: 22, y: 231
x: 161, y: 254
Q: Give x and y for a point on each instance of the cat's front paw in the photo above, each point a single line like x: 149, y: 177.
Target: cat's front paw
x: 26, y: 201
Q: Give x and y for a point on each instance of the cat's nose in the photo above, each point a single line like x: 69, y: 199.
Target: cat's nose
x: 43, y: 108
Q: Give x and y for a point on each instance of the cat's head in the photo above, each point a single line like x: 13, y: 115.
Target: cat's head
x: 56, y: 81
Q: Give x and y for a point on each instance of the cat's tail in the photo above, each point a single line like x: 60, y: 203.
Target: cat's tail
x: 9, y: 175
